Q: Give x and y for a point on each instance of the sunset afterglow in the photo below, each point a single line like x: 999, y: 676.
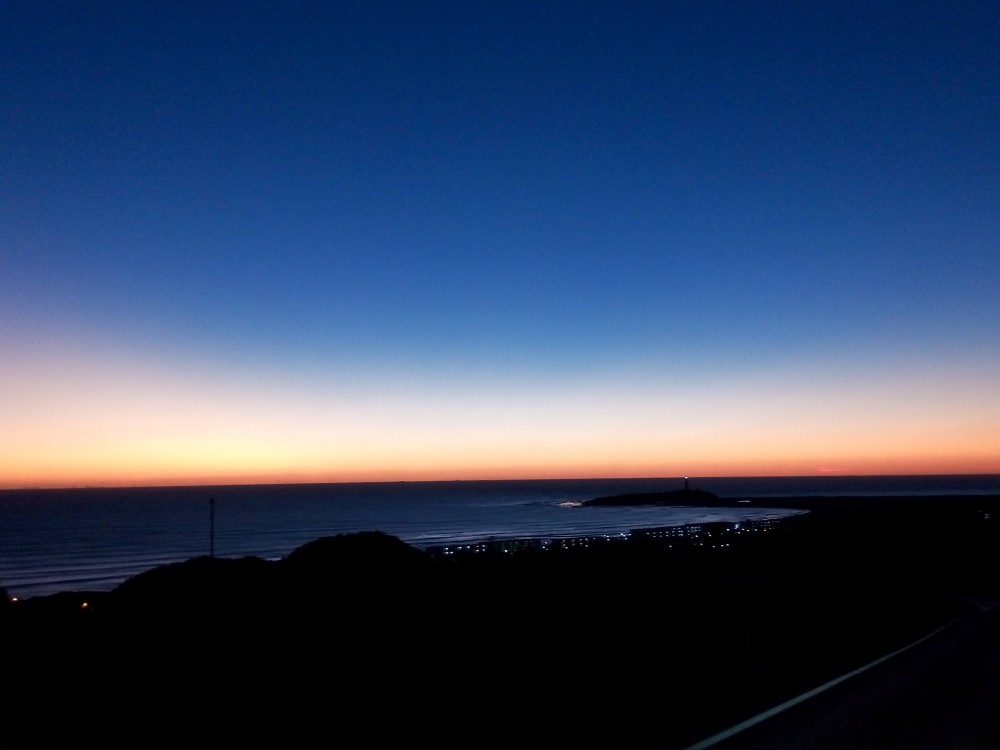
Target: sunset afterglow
x: 383, y: 244
x: 138, y: 424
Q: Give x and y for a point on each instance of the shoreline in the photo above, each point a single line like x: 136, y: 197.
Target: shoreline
x: 728, y: 628
x: 837, y: 512
x: 833, y: 510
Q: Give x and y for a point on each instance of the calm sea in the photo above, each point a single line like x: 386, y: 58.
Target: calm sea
x: 93, y: 539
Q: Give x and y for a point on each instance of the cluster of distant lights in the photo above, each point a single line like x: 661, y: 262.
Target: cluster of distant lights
x: 688, y: 531
x: 511, y: 545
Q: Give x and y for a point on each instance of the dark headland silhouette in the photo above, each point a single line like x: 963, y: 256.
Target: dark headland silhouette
x: 681, y: 633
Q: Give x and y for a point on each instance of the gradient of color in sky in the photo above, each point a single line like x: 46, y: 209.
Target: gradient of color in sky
x: 256, y: 242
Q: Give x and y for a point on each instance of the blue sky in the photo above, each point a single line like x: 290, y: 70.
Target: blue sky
x: 497, y: 203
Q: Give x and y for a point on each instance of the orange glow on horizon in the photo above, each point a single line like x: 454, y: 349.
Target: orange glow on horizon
x: 75, y: 423
x: 848, y: 467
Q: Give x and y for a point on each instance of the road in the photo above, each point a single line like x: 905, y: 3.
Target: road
x: 943, y: 693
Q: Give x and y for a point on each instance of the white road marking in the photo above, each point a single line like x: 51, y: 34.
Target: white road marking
x: 727, y: 733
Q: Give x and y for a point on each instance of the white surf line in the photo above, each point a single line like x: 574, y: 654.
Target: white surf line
x: 727, y: 733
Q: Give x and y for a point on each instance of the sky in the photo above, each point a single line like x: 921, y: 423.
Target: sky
x: 250, y: 242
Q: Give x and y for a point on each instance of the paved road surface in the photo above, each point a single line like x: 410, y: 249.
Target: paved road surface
x: 941, y: 694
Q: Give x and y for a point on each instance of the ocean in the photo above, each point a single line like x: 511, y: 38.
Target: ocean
x: 92, y: 539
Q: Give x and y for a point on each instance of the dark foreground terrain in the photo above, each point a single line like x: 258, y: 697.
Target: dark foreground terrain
x: 628, y: 641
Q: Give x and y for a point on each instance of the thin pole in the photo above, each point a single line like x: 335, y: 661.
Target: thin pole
x: 211, y: 527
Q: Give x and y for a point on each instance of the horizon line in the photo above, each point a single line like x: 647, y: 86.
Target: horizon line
x: 292, y: 483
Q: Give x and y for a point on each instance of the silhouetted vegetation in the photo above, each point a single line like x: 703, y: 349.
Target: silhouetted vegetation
x: 701, y: 635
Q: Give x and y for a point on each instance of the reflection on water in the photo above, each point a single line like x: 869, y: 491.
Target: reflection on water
x: 92, y: 539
